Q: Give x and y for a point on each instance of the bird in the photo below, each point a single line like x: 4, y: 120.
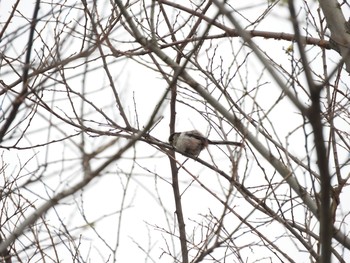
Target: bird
x: 193, y: 142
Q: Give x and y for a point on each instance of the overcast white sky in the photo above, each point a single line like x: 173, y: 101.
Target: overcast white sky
x: 148, y: 205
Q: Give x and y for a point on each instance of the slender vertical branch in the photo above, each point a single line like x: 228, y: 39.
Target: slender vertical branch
x: 314, y: 115
x: 22, y: 95
x: 326, y: 229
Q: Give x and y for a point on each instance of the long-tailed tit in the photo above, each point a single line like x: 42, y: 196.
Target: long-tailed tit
x: 193, y: 142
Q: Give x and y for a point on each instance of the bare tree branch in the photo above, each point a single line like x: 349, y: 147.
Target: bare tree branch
x: 339, y: 28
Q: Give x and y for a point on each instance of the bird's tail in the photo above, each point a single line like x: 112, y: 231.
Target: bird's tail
x: 240, y: 144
